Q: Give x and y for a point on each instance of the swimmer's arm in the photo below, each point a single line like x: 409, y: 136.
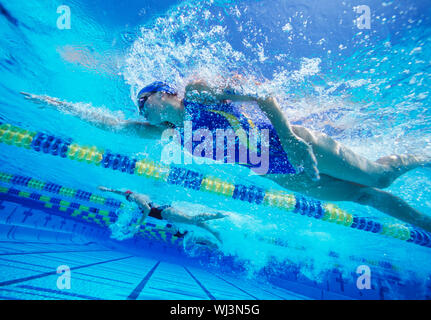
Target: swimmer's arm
x: 140, y: 199
x: 105, y: 189
x: 143, y: 204
x: 90, y: 114
x: 143, y: 129
x: 145, y: 209
x: 220, y: 94
x: 98, y: 118
x: 299, y: 152
x: 198, y: 85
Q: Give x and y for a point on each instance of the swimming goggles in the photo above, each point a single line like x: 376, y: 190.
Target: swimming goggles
x: 151, y: 89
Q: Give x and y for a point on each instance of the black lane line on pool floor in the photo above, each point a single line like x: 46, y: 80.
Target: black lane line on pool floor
x: 233, y: 285
x: 137, y: 291
x: 200, y: 285
x: 43, y: 252
x: 55, y: 292
x: 275, y: 295
x: 47, y: 274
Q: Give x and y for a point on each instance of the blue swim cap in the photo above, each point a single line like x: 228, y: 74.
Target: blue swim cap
x: 147, y: 91
x: 157, y: 86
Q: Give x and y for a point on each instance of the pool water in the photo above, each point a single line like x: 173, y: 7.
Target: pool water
x: 367, y: 88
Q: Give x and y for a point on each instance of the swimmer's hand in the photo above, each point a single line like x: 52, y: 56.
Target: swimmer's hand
x: 199, y: 91
x: 302, y: 157
x: 102, y: 188
x: 46, y: 100
x: 32, y: 97
x: 28, y: 96
x: 199, y: 85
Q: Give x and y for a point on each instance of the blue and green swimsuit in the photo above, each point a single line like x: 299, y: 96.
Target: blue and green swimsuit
x: 234, y: 116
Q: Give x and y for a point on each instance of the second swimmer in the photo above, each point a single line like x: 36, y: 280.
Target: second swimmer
x: 167, y: 212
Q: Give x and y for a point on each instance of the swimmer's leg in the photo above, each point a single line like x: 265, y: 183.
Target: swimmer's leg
x: 332, y: 189
x: 203, y: 225
x: 175, y: 216
x: 338, y: 161
x: 209, y: 216
x: 400, y: 164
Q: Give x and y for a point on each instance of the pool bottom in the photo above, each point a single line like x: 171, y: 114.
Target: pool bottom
x: 34, y: 245
x: 34, y: 242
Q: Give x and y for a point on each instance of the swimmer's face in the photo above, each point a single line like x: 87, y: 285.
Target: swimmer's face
x: 158, y: 109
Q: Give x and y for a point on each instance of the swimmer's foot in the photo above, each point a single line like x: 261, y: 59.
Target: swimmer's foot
x: 400, y: 164
x: 220, y: 215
